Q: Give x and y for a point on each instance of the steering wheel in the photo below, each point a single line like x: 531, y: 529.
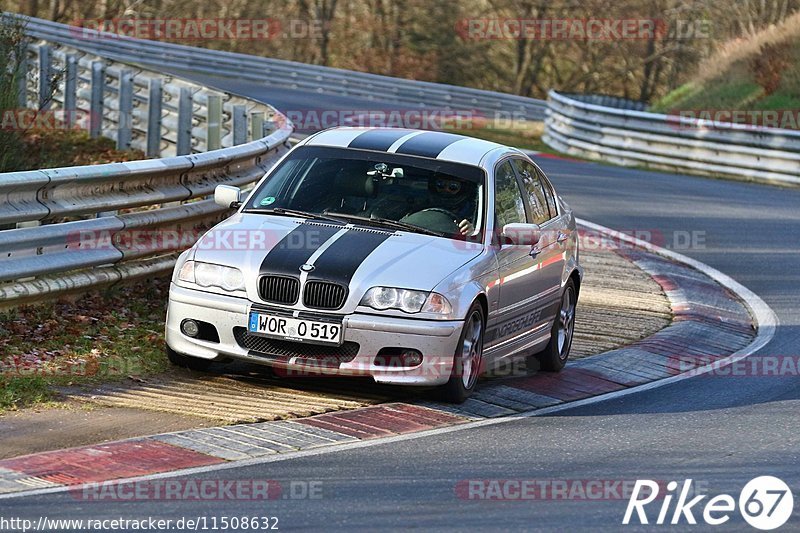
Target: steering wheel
x: 450, y: 214
x: 434, y: 218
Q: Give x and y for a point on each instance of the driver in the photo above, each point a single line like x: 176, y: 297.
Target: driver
x: 450, y: 196
x: 454, y: 196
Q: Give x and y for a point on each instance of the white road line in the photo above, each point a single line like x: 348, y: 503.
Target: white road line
x: 765, y: 318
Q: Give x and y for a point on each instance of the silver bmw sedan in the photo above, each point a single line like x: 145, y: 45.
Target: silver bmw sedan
x: 412, y: 257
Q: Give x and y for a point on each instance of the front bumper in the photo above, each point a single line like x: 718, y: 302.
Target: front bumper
x: 436, y: 340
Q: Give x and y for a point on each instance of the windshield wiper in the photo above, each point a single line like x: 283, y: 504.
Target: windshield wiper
x: 294, y: 213
x: 391, y: 223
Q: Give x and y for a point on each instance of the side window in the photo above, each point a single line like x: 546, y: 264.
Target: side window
x: 536, y: 192
x: 508, y: 205
x: 550, y: 193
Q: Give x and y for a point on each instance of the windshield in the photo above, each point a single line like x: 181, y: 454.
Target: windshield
x: 372, y: 188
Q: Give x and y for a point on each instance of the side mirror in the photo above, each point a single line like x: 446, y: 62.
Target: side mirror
x: 521, y: 234
x: 227, y: 196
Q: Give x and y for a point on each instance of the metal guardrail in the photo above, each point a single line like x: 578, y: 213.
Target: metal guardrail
x: 291, y: 75
x: 120, y: 221
x: 608, y: 101
x: 636, y: 138
x: 161, y: 115
x: 97, y: 251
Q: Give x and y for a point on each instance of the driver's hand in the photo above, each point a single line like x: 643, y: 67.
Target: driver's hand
x: 465, y: 227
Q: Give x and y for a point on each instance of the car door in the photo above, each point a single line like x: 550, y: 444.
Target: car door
x: 542, y: 209
x: 515, y: 313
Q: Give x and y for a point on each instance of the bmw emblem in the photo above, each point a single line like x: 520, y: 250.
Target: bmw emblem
x: 306, y: 268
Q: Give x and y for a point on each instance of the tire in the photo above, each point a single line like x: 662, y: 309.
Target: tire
x: 555, y: 355
x: 468, y: 358
x: 185, y: 361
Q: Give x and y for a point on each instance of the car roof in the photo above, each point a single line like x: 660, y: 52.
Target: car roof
x: 420, y: 143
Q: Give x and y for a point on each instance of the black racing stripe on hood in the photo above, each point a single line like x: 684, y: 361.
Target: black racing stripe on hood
x: 296, y: 248
x: 379, y: 140
x: 429, y: 144
x: 340, y: 261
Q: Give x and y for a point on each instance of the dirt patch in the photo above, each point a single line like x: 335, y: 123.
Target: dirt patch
x: 73, y: 424
x: 619, y: 304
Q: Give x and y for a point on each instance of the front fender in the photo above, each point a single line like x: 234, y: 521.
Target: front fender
x: 468, y: 283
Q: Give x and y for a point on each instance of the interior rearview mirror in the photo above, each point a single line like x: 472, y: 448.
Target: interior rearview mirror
x: 227, y: 196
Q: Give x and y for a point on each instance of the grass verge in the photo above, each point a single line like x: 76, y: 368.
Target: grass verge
x: 525, y: 135
x: 760, y: 72
x: 103, y: 336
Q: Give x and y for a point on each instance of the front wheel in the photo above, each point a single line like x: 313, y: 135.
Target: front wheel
x: 555, y: 355
x: 468, y: 359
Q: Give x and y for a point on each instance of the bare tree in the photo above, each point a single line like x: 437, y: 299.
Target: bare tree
x: 419, y: 39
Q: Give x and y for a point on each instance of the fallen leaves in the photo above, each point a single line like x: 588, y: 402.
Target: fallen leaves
x: 64, y: 148
x: 104, y: 335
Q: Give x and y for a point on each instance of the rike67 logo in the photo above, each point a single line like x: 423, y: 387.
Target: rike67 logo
x: 765, y: 503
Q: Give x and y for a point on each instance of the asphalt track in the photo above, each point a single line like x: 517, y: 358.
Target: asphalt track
x: 720, y: 431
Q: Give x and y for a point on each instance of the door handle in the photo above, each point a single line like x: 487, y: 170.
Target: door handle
x: 562, y: 236
x: 534, y: 251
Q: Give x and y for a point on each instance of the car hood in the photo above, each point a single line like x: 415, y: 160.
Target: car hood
x: 357, y: 256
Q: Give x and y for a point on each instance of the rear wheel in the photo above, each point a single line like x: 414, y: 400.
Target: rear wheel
x: 468, y: 358
x: 186, y: 361
x: 555, y: 355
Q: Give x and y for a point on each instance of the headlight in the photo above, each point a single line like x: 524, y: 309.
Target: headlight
x: 381, y: 298
x: 210, y: 275
x: 232, y: 279
x: 407, y: 300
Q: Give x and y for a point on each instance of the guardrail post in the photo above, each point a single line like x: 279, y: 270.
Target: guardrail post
x: 28, y: 224
x: 70, y: 90
x: 214, y: 122
x: 125, y: 121
x: 45, y: 72
x: 96, y: 101
x: 239, y: 124
x: 154, y: 100
x: 22, y: 81
x: 184, y: 144
x: 256, y: 125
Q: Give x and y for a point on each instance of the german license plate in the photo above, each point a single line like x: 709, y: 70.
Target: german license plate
x: 295, y: 329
